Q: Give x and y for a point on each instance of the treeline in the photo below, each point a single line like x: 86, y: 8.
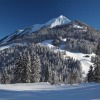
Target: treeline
x: 37, y: 63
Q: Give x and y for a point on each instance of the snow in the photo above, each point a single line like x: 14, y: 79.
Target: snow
x: 77, y: 26
x: 64, y: 39
x: 20, y: 30
x: 85, y: 61
x: 4, y: 47
x: 11, y: 45
x: 47, y: 42
x: 61, y: 20
x: 45, y: 91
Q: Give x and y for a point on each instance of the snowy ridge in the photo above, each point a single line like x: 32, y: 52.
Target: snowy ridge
x: 9, y: 37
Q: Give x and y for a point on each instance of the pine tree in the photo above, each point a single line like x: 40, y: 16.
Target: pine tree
x: 22, y: 71
x: 90, y: 75
x: 0, y: 75
x: 97, y: 64
x: 36, y: 68
x: 5, y: 77
x: 28, y: 68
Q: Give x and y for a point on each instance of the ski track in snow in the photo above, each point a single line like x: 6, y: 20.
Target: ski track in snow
x: 45, y: 91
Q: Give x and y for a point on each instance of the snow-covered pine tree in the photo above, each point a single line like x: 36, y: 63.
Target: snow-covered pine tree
x: 90, y: 75
x: 22, y: 69
x: 28, y: 68
x: 36, y: 68
x: 97, y: 64
x: 5, y: 77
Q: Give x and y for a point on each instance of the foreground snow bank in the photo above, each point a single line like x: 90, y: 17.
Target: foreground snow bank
x: 33, y: 86
x: 44, y: 86
x: 28, y: 91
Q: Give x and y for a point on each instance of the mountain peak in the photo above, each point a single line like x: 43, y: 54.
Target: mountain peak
x: 61, y: 20
x: 61, y: 16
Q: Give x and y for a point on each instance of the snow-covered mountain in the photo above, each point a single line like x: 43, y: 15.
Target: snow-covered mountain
x: 53, y: 23
x: 75, y: 41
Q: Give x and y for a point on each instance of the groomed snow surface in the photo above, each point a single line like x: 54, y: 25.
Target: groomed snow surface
x: 45, y: 91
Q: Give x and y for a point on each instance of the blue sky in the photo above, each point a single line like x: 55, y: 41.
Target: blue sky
x: 17, y: 14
